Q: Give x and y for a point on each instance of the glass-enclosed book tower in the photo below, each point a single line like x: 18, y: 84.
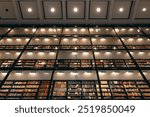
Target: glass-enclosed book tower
x: 74, y: 62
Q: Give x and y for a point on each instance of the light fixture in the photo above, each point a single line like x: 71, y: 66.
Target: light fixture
x: 130, y: 39
x: 98, y: 9
x: 26, y: 29
x: 91, y: 29
x: 123, y: 29
x: 29, y: 10
x: 65, y: 39
x: 74, y: 53
x: 103, y: 39
x: 17, y: 53
x: 74, y: 73
x: 75, y: 29
x: 7, y: 53
x: 84, y: 39
x: 141, y: 53
x: 46, y: 39
x: 41, y: 53
x: 52, y: 53
x: 83, y: 29
x: 33, y: 30
x: 117, y: 30
x: 140, y: 39
x: 75, y: 9
x: 121, y: 9
x: 30, y: 53
x: 60, y: 72
x: 52, y: 10
x: 18, y: 39
x: 42, y: 29
x: 131, y: 29
x: 85, y: 53
x: 108, y: 53
x: 144, y: 9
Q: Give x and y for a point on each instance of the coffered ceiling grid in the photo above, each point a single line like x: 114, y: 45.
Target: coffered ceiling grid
x: 74, y: 11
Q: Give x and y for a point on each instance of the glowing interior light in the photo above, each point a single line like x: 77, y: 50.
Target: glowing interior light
x: 50, y: 29
x: 52, y: 53
x: 18, y: 39
x: 37, y: 39
x: 103, y: 39
x: 40, y: 53
x: 66, y: 29
x: 107, y: 53
x: 83, y: 29
x: 75, y: 39
x: 9, y: 39
x: 30, y: 53
x: 85, y: 53
x: 52, y: 10
x: 144, y: 9
x: 65, y: 39
x: 18, y: 73
x: 140, y: 39
x: 29, y: 10
x: 129, y: 73
x: 60, y: 73
x: 121, y: 9
x: 114, y: 73
x: 33, y: 30
x: 84, y: 39
x: 46, y: 39
x: 74, y: 53
x: 117, y: 30
x: 74, y: 73
x: 141, y: 53
x: 91, y: 29
x: 98, y: 9
x: 107, y: 29
x: 75, y: 9
x: 7, y: 53
x: 75, y: 29
x: 131, y: 29
x: 130, y: 39
x: 123, y: 29
x: 42, y: 29
x: 26, y: 29
x: 93, y: 39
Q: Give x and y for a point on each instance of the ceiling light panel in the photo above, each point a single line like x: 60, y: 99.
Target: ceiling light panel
x: 52, y: 10
x: 29, y: 9
x: 7, y: 10
x: 98, y: 9
x: 121, y: 9
x: 75, y: 9
x: 143, y: 10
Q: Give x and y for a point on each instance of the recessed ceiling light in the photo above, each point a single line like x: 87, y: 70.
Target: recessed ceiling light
x: 75, y: 9
x: 29, y: 10
x: 144, y: 9
x: 52, y: 10
x: 98, y: 9
x: 121, y: 9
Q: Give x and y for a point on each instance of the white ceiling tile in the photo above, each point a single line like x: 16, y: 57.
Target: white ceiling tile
x: 80, y: 9
x: 56, y: 7
x: 125, y: 5
x: 7, y: 10
x: 102, y: 7
x: 143, y: 4
x: 25, y: 5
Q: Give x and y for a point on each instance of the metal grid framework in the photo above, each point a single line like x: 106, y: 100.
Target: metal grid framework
x: 74, y: 62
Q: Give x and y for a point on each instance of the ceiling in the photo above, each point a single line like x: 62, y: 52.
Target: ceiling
x: 74, y: 11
